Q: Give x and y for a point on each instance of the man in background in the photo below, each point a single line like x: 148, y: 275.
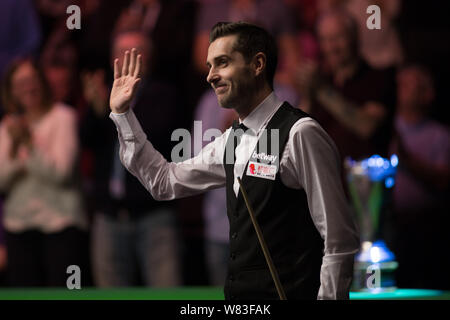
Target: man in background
x: 420, y: 195
x: 134, y: 237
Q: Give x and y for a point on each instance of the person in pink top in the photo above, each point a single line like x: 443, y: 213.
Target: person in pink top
x: 43, y: 216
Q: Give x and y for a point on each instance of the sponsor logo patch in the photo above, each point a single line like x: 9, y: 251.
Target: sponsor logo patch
x: 261, y: 170
x: 263, y: 156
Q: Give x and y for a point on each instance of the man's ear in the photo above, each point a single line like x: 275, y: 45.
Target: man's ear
x: 259, y: 63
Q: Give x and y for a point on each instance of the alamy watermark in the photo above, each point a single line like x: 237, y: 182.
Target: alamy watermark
x: 191, y: 144
x: 74, y: 280
x: 374, y: 20
x: 374, y: 279
x: 74, y: 20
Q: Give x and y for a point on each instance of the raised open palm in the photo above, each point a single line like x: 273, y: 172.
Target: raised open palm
x: 125, y: 81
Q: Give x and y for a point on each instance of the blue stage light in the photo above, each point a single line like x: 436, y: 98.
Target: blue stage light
x: 389, y: 182
x: 394, y: 160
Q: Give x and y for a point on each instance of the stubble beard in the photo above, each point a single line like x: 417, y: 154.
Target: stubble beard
x: 237, y: 97
x: 228, y: 100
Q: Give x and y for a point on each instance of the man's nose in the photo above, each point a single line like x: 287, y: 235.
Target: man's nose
x: 212, y: 76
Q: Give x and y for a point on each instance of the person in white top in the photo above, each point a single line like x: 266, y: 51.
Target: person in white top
x: 43, y: 217
x: 242, y: 61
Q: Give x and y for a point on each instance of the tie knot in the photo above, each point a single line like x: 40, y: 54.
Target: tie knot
x: 237, y: 125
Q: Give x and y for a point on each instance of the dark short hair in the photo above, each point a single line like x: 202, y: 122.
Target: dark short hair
x: 9, y: 103
x: 251, y: 39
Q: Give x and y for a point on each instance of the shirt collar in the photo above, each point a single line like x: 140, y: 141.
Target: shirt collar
x: 262, y: 113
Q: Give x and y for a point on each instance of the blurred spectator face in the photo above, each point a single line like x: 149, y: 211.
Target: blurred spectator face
x: 129, y: 40
x: 26, y: 87
x: 59, y: 79
x: 229, y: 74
x: 335, y: 41
x: 414, y: 89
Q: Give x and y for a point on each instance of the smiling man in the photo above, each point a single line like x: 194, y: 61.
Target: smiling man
x: 300, y: 205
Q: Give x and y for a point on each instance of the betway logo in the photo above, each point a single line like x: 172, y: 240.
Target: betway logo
x: 264, y: 156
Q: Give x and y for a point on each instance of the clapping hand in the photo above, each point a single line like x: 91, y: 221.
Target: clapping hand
x: 125, y: 81
x: 18, y: 131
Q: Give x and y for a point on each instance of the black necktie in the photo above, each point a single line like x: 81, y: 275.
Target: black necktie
x: 239, y: 129
x: 237, y: 125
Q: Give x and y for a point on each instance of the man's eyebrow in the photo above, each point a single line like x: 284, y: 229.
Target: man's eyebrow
x: 218, y: 58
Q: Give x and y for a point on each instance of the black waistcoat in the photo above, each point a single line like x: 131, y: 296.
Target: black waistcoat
x: 283, y: 215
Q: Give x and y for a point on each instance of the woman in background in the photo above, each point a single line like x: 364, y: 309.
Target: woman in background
x: 43, y: 216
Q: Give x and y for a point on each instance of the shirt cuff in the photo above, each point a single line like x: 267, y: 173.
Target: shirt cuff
x: 336, y: 276
x: 127, y: 125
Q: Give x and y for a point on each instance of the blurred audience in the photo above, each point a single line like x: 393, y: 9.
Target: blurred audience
x: 134, y: 237
x: 3, y: 254
x: 352, y: 101
x: 275, y: 16
x: 21, y: 32
x: 59, y: 55
x: 43, y: 213
x: 381, y: 48
x: 97, y: 27
x: 170, y: 24
x: 306, y: 12
x: 59, y: 46
x: 171, y: 41
x: 64, y: 84
x: 420, y: 195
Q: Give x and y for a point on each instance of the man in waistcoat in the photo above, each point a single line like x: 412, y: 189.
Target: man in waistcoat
x: 288, y: 164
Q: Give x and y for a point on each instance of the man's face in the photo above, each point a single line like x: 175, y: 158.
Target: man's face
x: 229, y: 74
x: 335, y: 42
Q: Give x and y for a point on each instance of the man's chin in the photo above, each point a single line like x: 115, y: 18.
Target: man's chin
x: 224, y: 103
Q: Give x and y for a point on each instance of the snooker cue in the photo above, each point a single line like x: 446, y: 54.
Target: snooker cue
x: 263, y: 244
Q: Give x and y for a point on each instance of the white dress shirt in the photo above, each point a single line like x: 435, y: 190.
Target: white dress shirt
x: 310, y: 161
